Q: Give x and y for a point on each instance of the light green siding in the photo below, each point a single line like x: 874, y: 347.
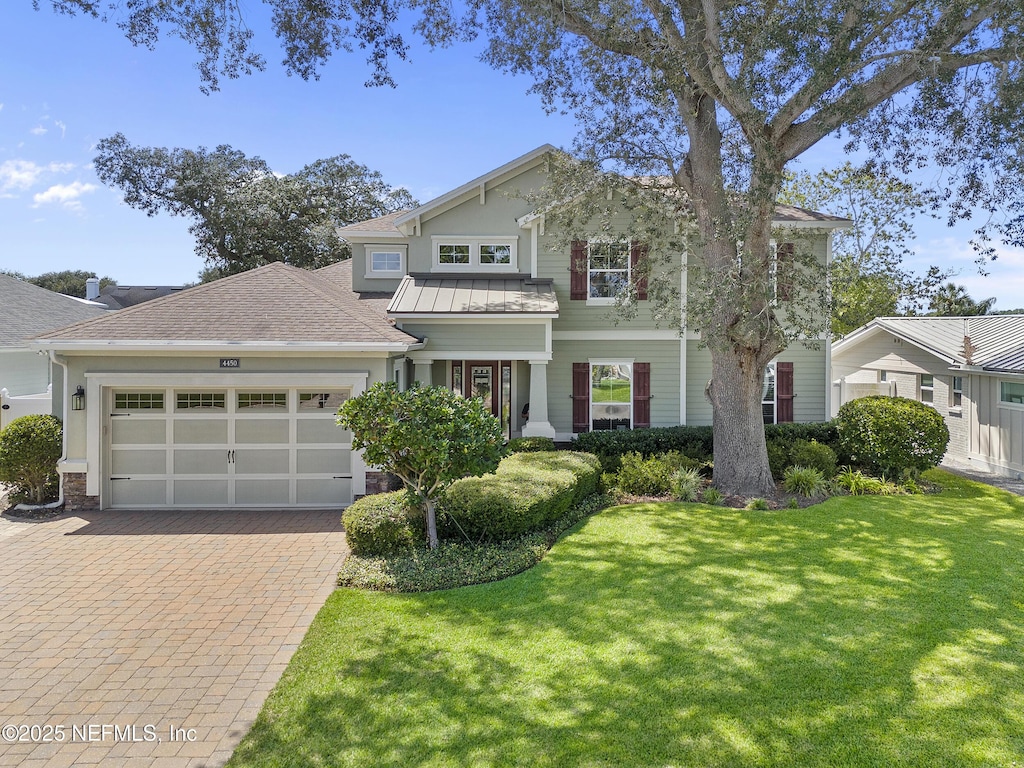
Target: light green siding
x: 665, y: 385
x: 809, y: 382
x: 578, y: 315
x: 448, y: 339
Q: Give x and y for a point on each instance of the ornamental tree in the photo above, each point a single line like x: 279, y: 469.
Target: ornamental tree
x: 428, y: 437
x: 709, y: 100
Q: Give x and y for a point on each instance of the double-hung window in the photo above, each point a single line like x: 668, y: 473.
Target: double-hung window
x: 927, y: 388
x: 602, y: 271
x: 956, y: 392
x: 608, y: 269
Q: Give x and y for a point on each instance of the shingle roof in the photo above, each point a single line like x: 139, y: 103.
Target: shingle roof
x: 473, y: 294
x: 26, y: 310
x: 381, y: 225
x: 272, y: 304
x: 997, y: 340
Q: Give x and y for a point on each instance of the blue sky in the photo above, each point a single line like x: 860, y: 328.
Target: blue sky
x: 66, y: 82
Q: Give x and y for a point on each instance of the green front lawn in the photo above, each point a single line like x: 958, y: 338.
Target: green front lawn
x: 864, y: 631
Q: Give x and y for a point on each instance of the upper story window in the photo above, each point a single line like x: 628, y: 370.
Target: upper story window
x: 486, y: 254
x: 385, y: 261
x: 608, y: 269
x: 603, y: 270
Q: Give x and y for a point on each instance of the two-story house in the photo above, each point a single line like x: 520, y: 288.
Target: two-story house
x: 224, y: 395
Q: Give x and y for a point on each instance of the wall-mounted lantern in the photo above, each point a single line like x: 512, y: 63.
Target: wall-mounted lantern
x: 78, y: 399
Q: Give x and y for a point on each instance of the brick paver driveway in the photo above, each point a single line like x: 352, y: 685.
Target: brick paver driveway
x: 151, y: 639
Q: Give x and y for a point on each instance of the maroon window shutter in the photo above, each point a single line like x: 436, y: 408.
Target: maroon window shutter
x: 784, y: 392
x: 581, y: 397
x: 578, y: 268
x: 784, y: 265
x: 641, y: 395
x: 637, y: 254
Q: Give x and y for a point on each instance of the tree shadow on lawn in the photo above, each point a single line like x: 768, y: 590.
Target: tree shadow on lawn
x: 863, y: 631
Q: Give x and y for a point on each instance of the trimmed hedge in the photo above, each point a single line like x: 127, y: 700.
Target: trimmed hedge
x: 694, y: 442
x: 892, y: 434
x: 383, y: 523
x: 527, y: 492
x: 529, y: 444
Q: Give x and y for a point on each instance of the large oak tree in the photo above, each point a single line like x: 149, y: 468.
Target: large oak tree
x: 716, y: 96
x: 243, y: 214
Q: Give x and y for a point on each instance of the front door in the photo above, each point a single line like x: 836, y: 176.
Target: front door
x: 489, y: 380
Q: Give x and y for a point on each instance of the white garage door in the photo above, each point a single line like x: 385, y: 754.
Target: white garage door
x: 231, y: 447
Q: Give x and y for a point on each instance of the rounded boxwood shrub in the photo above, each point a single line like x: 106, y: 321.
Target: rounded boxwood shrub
x: 811, y: 453
x: 30, y: 447
x: 892, y: 434
x: 383, y: 523
x: 529, y: 491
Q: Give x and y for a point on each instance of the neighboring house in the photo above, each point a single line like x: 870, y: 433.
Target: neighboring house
x: 224, y: 394
x: 26, y: 310
x: 124, y: 296
x: 970, y: 369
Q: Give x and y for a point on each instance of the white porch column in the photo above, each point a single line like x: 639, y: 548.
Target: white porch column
x: 421, y: 372
x: 538, y: 424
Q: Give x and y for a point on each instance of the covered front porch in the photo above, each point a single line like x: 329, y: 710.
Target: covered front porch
x: 482, y: 337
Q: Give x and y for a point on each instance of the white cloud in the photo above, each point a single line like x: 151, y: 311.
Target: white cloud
x: 38, y: 131
x: 23, y: 174
x: 66, y: 195
x: 63, y: 128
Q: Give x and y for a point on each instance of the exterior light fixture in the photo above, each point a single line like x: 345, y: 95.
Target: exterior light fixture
x: 78, y: 399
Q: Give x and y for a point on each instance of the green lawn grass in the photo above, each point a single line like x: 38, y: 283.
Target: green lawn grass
x: 864, y: 631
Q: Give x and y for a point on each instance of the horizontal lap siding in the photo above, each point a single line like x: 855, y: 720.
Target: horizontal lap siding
x: 808, y: 383
x: 443, y: 338
x: 575, y: 315
x: 662, y: 355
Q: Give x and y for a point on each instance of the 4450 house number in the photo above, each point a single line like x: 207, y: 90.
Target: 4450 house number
x: 230, y: 362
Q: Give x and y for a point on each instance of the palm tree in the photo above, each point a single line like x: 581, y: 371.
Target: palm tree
x: 952, y: 300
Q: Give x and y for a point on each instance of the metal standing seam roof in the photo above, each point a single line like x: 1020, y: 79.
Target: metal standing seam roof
x: 26, y: 310
x: 998, y: 340
x: 275, y: 303
x: 473, y: 294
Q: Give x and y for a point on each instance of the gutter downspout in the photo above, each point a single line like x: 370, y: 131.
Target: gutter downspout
x: 63, y: 363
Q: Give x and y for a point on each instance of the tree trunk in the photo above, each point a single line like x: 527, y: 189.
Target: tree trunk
x: 741, y: 457
x: 431, y: 524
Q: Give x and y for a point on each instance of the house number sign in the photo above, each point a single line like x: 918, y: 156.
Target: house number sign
x: 230, y: 362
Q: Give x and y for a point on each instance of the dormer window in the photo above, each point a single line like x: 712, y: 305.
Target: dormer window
x: 385, y: 261
x: 453, y: 253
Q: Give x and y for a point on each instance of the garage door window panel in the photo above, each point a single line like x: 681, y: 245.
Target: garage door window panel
x: 204, y: 401
x: 262, y: 401
x: 321, y: 401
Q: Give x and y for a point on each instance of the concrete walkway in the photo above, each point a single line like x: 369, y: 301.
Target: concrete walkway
x: 151, y: 638
x: 966, y: 469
